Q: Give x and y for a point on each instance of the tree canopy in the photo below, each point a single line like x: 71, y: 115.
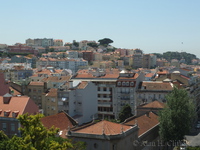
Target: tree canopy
x: 36, y: 137
x: 125, y: 113
x: 105, y: 41
x: 176, y: 118
x: 177, y: 55
x: 92, y: 44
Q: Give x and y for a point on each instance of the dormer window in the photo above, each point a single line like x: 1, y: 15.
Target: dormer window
x: 15, y: 113
x: 6, y: 113
x: 132, y: 84
x: 119, y: 83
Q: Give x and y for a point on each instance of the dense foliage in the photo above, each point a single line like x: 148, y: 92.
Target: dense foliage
x: 105, y: 42
x: 176, y: 55
x: 37, y: 137
x: 176, y: 118
x: 125, y: 113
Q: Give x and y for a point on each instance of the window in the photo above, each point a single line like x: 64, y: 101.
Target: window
x: 132, y: 84
x: 4, y: 126
x: 12, y: 127
x: 95, y: 145
x: 34, y: 90
x: 127, y: 83
x: 123, y: 83
x: 53, y: 99
x: 119, y: 83
x: 29, y: 90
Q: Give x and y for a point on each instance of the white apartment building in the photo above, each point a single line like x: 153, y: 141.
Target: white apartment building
x: 113, y: 94
x: 72, y: 54
x: 78, y: 100
x: 73, y: 64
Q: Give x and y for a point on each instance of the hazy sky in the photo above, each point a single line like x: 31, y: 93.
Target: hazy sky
x: 151, y: 25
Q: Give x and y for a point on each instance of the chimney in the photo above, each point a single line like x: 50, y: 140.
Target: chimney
x: 70, y: 84
x: 147, y: 114
x: 6, y: 98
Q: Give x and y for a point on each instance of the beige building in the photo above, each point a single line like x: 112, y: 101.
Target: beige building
x: 58, y: 42
x: 50, y: 102
x: 35, y: 90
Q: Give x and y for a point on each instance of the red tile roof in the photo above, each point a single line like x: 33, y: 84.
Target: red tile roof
x: 82, y: 85
x: 61, y: 120
x: 14, y: 92
x: 145, y: 122
x: 154, y: 104
x: 156, y: 85
x: 21, y: 104
x: 52, y: 92
x: 103, y: 127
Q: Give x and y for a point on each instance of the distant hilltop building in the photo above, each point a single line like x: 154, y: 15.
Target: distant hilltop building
x: 40, y: 42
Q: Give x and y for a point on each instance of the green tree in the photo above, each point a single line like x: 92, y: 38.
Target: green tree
x: 37, y: 137
x: 125, y: 113
x: 93, y: 45
x: 176, y: 118
x: 105, y: 41
x: 76, y: 44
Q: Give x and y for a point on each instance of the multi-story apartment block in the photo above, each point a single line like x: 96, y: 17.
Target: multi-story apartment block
x: 58, y: 42
x: 34, y: 91
x: 97, y: 56
x: 149, y: 91
x: 30, y: 42
x: 111, y: 95
x: 22, y: 49
x: 24, y: 59
x: 79, y: 100
x: 50, y: 102
x: 88, y: 55
x: 137, y: 60
x: 72, y: 54
x: 64, y: 63
x: 40, y: 42
x: 17, y: 73
x: 146, y: 61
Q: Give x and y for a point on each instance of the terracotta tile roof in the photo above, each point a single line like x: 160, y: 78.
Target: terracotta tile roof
x: 145, y: 122
x: 154, y: 104
x: 149, y: 75
x: 57, y: 79
x: 133, y: 77
x: 52, y: 92
x: 102, y: 127
x: 163, y: 72
x: 36, y: 83
x: 61, y: 120
x: 14, y: 92
x: 21, y: 105
x: 114, y: 73
x: 185, y: 77
x: 82, y: 85
x: 155, y: 85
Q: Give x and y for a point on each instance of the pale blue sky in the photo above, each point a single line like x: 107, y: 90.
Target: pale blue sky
x: 151, y: 25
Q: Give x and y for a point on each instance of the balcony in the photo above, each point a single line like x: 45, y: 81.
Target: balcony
x: 104, y: 98
x: 106, y: 112
x: 104, y: 92
x: 104, y: 104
